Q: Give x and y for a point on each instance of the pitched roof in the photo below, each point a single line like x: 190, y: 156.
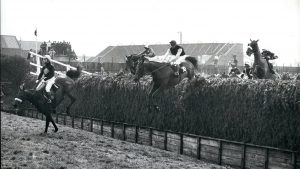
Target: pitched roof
x: 27, y: 45
x: 9, y: 41
x: 116, y: 54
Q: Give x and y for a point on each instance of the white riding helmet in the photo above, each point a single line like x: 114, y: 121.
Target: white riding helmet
x: 146, y: 46
x: 47, y: 57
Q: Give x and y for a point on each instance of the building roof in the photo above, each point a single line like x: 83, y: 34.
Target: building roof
x: 9, y: 41
x: 27, y: 45
x: 116, y: 54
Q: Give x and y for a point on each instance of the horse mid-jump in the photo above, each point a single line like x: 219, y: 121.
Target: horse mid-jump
x: 162, y: 73
x: 261, y: 69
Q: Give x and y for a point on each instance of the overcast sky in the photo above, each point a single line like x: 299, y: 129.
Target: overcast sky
x: 92, y: 25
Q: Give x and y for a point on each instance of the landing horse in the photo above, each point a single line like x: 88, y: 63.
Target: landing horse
x: 162, y: 73
x: 261, y: 69
x: 64, y: 87
x: 39, y: 101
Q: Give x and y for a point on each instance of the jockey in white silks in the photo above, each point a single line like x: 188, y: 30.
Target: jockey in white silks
x: 174, y: 56
x: 47, y: 76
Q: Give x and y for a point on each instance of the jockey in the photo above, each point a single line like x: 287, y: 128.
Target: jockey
x: 175, y: 51
x: 269, y: 56
x: 47, y: 76
x: 148, y: 52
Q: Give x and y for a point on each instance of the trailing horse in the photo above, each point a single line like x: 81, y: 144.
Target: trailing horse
x: 261, y: 68
x: 162, y: 73
x: 64, y: 87
x: 37, y: 99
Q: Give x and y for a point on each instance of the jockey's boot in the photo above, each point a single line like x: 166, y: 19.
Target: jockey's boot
x: 176, y: 70
x: 49, y: 97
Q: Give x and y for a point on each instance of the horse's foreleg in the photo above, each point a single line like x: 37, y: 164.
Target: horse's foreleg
x: 72, y: 98
x: 159, y: 89
x: 154, y: 87
x: 47, y: 123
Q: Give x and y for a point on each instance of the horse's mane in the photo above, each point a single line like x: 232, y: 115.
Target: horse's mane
x: 74, y: 74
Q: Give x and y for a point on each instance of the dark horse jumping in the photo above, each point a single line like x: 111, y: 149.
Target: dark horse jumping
x: 162, y: 73
x: 261, y: 68
x: 37, y: 98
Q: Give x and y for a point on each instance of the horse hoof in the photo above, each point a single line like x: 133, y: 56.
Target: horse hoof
x: 55, y: 130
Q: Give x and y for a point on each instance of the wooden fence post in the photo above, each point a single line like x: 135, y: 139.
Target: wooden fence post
x: 220, y: 152
x: 181, y: 143
x: 73, y: 121
x: 32, y: 113
x: 136, y: 134
x: 65, y: 119
x: 266, y: 158
x: 112, y: 129
x: 124, y: 131
x: 91, y: 127
x: 150, y: 136
x: 166, y: 141
x: 101, y: 129
x: 294, y: 160
x: 243, y: 162
x: 81, y: 126
x: 199, y: 148
x: 37, y: 115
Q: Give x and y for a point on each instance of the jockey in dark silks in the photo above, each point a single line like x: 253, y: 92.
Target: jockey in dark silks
x: 269, y: 56
x: 47, y: 78
x: 176, y: 51
x: 148, y: 52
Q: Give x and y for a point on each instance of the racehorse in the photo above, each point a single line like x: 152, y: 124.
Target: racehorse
x: 162, y: 73
x: 63, y: 86
x: 39, y: 101
x: 261, y: 69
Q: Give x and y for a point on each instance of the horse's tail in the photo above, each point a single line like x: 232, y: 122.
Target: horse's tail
x: 192, y: 60
x: 74, y: 74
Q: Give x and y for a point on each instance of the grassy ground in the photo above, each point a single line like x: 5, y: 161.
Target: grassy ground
x: 23, y: 145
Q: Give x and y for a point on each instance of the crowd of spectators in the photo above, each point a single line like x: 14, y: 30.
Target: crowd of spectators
x: 57, y: 49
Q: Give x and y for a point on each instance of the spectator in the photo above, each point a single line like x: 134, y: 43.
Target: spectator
x: 29, y: 54
x: 52, y: 53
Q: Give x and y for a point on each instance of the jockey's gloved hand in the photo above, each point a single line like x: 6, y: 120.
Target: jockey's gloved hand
x: 36, y: 81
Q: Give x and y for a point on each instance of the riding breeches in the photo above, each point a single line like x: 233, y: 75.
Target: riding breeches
x: 48, y: 84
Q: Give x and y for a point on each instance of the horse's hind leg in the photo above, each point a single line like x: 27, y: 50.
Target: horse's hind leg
x: 72, y: 101
x: 50, y: 119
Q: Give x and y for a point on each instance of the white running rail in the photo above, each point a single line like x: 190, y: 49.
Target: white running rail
x: 38, y: 66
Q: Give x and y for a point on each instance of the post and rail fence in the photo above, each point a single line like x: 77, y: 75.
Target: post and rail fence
x: 38, y: 65
x: 219, y: 151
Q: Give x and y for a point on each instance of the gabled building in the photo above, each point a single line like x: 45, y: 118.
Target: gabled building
x: 204, y: 52
x: 10, y: 46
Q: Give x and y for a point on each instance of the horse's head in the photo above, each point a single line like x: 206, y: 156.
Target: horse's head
x: 131, y: 62
x: 21, y: 96
x: 252, y: 47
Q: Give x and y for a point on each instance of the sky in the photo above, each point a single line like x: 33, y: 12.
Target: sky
x: 92, y: 25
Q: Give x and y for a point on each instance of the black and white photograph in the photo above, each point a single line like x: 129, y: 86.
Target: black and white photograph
x: 140, y: 84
